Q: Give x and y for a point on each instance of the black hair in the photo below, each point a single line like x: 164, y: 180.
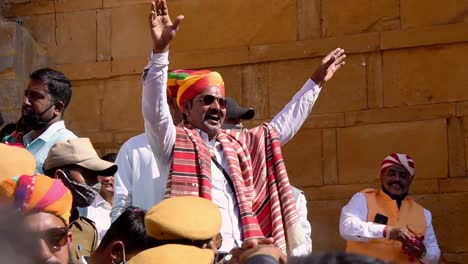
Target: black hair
x: 7, y: 130
x: 59, y: 85
x: 335, y: 258
x: 110, y: 157
x: 129, y: 228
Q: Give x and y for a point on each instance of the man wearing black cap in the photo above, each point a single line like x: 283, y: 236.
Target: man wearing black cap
x: 235, y: 114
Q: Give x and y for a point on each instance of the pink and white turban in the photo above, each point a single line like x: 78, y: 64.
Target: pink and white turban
x: 398, y: 159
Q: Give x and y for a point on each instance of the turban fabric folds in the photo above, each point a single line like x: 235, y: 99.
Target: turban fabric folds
x: 398, y: 159
x: 189, y: 83
x: 37, y: 193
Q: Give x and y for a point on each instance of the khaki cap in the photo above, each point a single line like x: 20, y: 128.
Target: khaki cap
x: 173, y: 253
x: 78, y: 151
x: 184, y: 217
x: 15, y: 161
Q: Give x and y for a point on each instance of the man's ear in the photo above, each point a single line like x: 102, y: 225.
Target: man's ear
x: 116, y: 251
x: 59, y: 174
x: 187, y: 106
x: 59, y: 107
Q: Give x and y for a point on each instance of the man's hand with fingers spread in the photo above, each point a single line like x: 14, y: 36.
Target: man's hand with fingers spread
x: 162, y: 29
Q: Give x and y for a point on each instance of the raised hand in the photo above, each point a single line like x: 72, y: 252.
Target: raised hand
x: 330, y: 64
x: 162, y: 29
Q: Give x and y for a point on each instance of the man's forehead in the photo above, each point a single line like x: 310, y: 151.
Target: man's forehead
x: 397, y: 168
x: 38, y: 85
x: 211, y: 90
x: 38, y: 221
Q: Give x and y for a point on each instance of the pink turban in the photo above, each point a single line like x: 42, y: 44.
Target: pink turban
x: 398, y: 159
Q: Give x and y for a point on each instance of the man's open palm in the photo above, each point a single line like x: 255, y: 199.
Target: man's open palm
x: 161, y: 27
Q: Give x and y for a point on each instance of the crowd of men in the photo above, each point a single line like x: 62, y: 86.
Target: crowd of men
x: 196, y: 187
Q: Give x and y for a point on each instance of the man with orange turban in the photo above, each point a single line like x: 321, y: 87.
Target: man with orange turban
x: 242, y: 172
x: 387, y: 224
x: 46, y: 205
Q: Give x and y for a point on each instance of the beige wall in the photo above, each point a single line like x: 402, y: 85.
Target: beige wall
x: 403, y: 89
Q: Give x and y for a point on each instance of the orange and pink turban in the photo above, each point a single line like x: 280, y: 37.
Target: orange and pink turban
x: 189, y: 83
x: 37, y: 193
x: 398, y: 159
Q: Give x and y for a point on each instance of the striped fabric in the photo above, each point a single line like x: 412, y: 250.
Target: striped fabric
x: 256, y: 167
x: 398, y: 159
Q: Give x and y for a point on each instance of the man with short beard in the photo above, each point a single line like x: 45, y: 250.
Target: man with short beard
x: 45, y: 204
x: 387, y: 224
x: 77, y: 164
x: 45, y: 100
x: 243, y: 173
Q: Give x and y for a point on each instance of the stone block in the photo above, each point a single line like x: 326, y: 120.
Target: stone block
x: 209, y: 57
x: 86, y: 71
x: 413, y: 14
x: 419, y: 75
x: 255, y: 89
x: 456, y: 144
x: 104, y: 29
x: 345, y: 92
x: 42, y: 28
x: 222, y: 27
x: 128, y: 66
x: 130, y: 35
x: 304, y: 164
x: 351, y: 17
x: 85, y: 110
x: 335, y: 192
x: 448, y: 211
x: 73, y: 5
x: 232, y: 77
x: 324, y: 217
x: 30, y: 8
x: 314, y: 48
x: 308, y: 19
x: 114, y: 3
x: 331, y: 120
x: 453, y: 185
x: 330, y: 167
x: 9, y: 93
x: 75, y: 38
x: 399, y: 114
x: 121, y: 107
x: 462, y: 108
x: 415, y: 37
x: 374, y: 80
x: 356, y: 165
x: 7, y: 42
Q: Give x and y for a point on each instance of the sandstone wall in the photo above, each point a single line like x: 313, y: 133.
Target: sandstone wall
x: 403, y: 89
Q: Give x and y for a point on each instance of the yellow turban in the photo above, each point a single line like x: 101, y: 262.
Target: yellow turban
x: 37, y: 193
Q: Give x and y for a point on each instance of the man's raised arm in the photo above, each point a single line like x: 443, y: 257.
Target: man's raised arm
x: 159, y: 127
x: 290, y: 119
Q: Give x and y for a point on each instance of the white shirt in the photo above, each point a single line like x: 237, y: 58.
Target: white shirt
x: 99, y: 212
x: 301, y: 206
x: 354, y: 226
x: 161, y: 131
x: 138, y: 181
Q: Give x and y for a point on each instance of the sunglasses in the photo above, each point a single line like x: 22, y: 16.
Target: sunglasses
x: 54, y: 237
x: 209, y: 99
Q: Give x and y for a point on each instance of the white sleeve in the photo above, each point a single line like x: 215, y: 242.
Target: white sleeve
x: 353, y: 221
x: 290, y: 119
x: 430, y: 242
x: 159, y: 127
x: 306, y: 248
x: 123, y: 182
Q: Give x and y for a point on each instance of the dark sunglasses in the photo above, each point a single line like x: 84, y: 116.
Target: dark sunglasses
x: 54, y: 237
x: 209, y: 99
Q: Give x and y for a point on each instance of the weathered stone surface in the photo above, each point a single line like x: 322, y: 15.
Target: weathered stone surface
x: 399, y: 114
x: 314, y: 48
x: 30, y: 8
x: 456, y: 144
x: 7, y: 42
x: 42, y: 28
x: 330, y: 167
x: 374, y: 80
x: 84, y: 112
x: 114, y: 3
x: 345, y: 92
x: 324, y: 120
x: 121, y: 108
x: 255, y: 89
x: 308, y: 19
x: 419, y: 75
x: 303, y: 158
x: 444, y: 34
x: 448, y: 210
x: 73, y: 5
x: 86, y: 71
x: 378, y: 141
x: 104, y: 29
x: 77, y: 29
x: 324, y: 217
x: 414, y: 13
x: 351, y: 17
x: 453, y: 184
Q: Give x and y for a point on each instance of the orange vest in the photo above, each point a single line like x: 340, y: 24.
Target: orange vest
x: 410, y: 215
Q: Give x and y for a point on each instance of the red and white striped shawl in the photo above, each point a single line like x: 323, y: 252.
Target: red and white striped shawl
x: 266, y: 202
